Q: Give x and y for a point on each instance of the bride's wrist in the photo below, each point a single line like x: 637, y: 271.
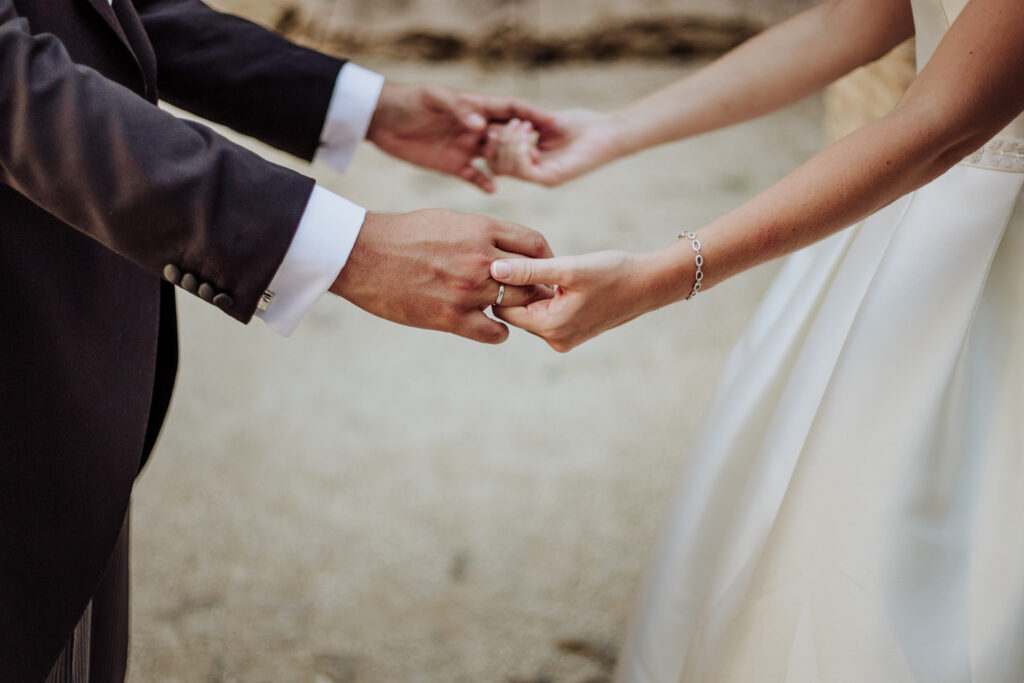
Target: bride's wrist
x: 669, y: 272
x: 623, y: 135
x: 636, y: 128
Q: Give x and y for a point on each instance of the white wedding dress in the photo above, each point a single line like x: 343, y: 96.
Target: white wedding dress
x: 852, y: 509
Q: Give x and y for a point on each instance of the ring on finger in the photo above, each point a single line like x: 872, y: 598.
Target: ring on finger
x: 501, y: 295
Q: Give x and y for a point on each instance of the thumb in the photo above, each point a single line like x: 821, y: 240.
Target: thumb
x: 469, y: 115
x: 526, y: 271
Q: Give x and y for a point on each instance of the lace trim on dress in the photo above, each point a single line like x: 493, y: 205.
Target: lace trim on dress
x: 1001, y: 154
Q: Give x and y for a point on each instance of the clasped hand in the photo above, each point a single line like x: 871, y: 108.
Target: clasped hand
x: 441, y: 270
x: 595, y: 292
x: 592, y: 293
x: 430, y: 269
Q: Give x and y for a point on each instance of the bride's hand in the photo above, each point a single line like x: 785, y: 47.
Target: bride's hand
x: 578, y: 142
x: 596, y: 292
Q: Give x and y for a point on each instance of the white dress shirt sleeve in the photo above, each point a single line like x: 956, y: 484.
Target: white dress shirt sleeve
x: 355, y: 97
x: 330, y: 224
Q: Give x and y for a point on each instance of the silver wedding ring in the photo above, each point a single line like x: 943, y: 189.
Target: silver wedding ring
x: 501, y: 295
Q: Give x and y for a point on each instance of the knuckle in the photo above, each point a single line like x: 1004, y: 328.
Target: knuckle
x: 560, y: 347
x: 483, y: 254
x: 540, y: 244
x: 468, y: 283
x: 428, y: 97
x: 495, y: 335
x: 449, y: 317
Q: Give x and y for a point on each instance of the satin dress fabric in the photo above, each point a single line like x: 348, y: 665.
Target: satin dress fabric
x: 852, y: 506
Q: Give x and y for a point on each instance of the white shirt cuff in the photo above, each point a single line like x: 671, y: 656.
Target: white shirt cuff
x: 324, y: 239
x: 355, y: 97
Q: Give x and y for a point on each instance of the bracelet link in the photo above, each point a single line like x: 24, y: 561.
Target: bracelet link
x: 698, y: 259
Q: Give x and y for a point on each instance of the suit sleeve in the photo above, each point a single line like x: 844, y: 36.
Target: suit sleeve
x: 157, y: 190
x: 232, y: 71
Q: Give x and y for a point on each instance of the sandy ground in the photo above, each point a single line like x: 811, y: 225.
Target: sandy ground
x: 367, y: 503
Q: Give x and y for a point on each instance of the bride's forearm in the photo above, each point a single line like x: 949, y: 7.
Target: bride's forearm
x: 968, y: 92
x: 783, y: 64
x: 838, y: 187
x: 841, y: 185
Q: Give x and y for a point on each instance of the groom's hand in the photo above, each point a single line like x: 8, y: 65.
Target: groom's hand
x: 443, y: 129
x: 431, y: 269
x: 577, y: 143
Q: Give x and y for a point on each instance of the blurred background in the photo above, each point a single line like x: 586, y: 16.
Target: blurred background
x: 364, y: 502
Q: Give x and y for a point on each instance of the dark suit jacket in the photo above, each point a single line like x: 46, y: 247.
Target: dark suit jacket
x: 100, y: 191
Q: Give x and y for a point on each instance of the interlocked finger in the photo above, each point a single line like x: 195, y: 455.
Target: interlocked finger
x: 512, y: 295
x: 478, y: 327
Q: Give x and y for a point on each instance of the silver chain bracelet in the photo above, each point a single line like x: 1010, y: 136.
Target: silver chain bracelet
x: 699, y: 260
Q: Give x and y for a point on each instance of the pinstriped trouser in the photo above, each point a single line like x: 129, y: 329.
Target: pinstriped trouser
x: 97, y: 649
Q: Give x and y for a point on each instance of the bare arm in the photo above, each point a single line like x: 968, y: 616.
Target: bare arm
x: 783, y: 64
x: 780, y: 66
x: 969, y: 90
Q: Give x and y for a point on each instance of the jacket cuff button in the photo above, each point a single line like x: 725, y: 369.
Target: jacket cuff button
x: 189, y: 283
x: 223, y: 301
x: 206, y: 292
x: 172, y: 273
